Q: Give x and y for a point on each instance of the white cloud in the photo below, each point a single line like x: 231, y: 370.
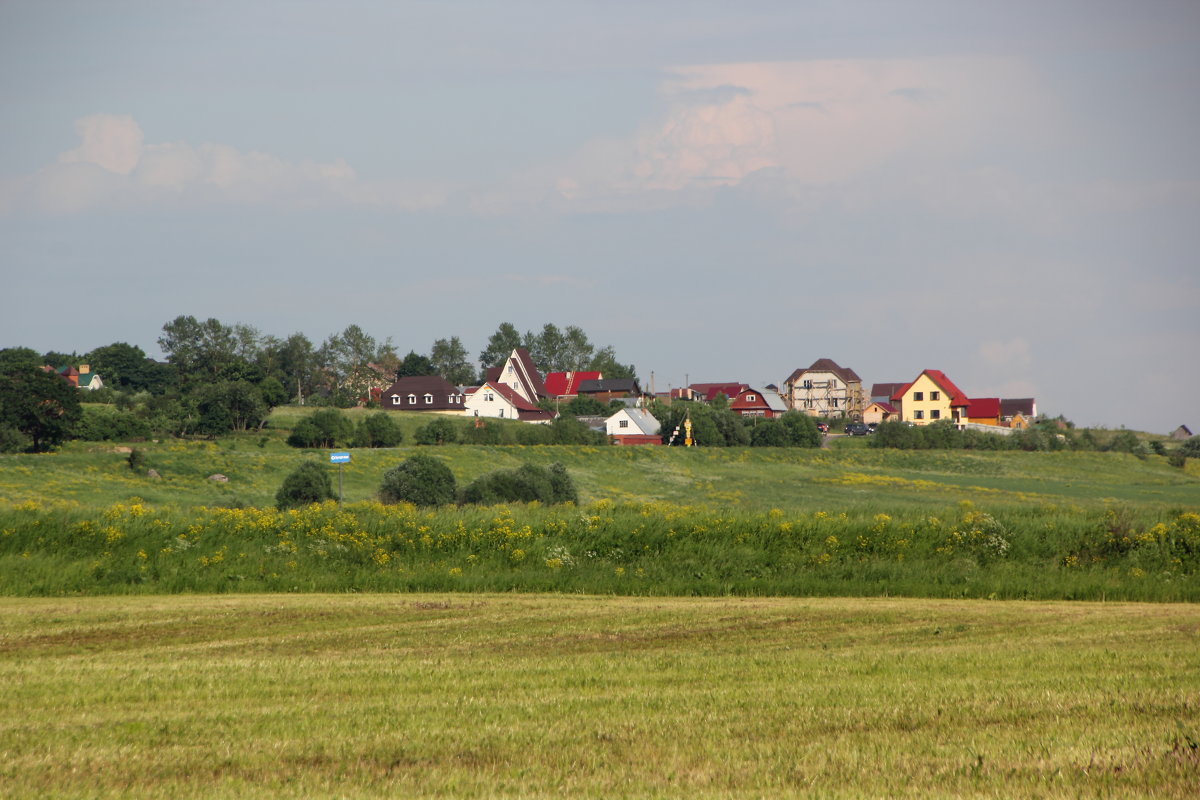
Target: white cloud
x: 111, y: 141
x: 113, y: 166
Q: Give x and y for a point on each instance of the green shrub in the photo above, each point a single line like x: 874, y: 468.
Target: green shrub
x: 769, y: 433
x: 525, y: 484
x: 802, y: 429
x: 420, y: 480
x: 107, y: 424
x: 12, y: 440
x: 437, y: 431
x: 308, y: 483
x: 1191, y: 447
x: 378, y: 430
x: 329, y: 427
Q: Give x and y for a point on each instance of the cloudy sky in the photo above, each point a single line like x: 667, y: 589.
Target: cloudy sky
x: 1006, y: 191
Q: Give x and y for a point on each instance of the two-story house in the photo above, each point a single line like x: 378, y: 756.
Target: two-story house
x: 825, y: 390
x: 931, y: 397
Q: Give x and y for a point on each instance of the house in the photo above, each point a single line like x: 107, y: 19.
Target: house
x: 825, y: 390
x: 81, y: 377
x: 565, y: 385
x: 1181, y: 433
x: 931, y: 397
x: 984, y: 410
x: 707, y: 392
x: 519, y: 373
x: 609, y: 389
x: 423, y: 393
x: 758, y: 403
x: 631, y: 426
x: 882, y: 392
x: 1011, y: 407
x: 502, y: 401
x: 880, y: 412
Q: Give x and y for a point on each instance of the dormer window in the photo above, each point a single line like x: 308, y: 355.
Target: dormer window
x: 395, y: 399
x: 412, y: 399
x: 428, y: 399
x: 750, y: 398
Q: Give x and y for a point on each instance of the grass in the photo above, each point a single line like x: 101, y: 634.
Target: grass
x: 560, y: 696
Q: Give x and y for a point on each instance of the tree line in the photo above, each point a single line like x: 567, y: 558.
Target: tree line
x: 219, y: 378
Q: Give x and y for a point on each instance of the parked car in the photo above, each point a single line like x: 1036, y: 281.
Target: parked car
x: 857, y: 429
x: 823, y: 427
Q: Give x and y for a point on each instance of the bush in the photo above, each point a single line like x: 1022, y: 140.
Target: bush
x: 136, y: 460
x: 1190, y: 448
x: 801, y: 429
x: 308, y: 483
x: 12, y: 440
x: 378, y: 430
x: 525, y: 484
x: 437, y: 431
x: 769, y: 433
x: 107, y: 424
x: 328, y: 427
x: 420, y: 480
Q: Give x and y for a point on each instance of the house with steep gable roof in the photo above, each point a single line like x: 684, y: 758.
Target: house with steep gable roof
x: 502, y: 401
x: 877, y: 412
x: 825, y: 389
x: 931, y: 397
x: 519, y: 372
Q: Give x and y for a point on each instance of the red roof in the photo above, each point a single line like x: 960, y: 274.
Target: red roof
x: 563, y: 384
x: 957, y: 396
x: 983, y: 407
x: 710, y: 390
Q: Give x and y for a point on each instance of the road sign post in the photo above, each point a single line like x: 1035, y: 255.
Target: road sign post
x: 341, y: 459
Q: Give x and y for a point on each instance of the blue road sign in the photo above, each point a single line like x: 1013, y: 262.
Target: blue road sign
x: 339, y: 458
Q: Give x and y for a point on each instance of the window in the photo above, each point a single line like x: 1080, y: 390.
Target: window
x: 935, y: 414
x: 918, y: 415
x: 808, y: 403
x: 624, y: 423
x: 488, y: 397
x: 833, y: 402
x: 750, y: 398
x: 807, y: 384
x: 935, y: 395
x: 395, y: 399
x: 412, y: 399
x: 510, y: 369
x: 501, y: 414
x: 428, y: 399
x: 918, y: 395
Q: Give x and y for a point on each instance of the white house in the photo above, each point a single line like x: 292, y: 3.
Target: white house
x: 633, y: 426
x: 500, y: 401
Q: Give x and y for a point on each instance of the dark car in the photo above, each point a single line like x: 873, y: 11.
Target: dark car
x: 857, y: 429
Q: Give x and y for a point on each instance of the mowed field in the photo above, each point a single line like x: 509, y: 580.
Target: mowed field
x: 485, y: 695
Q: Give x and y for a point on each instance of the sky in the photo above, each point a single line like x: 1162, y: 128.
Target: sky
x: 1008, y: 191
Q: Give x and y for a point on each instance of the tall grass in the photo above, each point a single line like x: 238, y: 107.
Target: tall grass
x: 963, y: 550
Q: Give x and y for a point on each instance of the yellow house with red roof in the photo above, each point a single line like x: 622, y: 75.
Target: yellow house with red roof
x: 931, y: 397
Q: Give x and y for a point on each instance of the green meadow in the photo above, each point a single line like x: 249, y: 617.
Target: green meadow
x: 485, y: 695
x: 845, y: 520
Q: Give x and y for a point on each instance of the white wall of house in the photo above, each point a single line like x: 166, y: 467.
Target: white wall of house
x: 487, y: 402
x: 623, y: 423
x: 829, y: 395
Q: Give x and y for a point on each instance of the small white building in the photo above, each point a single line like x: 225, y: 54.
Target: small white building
x: 633, y: 426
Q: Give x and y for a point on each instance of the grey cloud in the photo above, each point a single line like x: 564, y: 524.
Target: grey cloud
x: 712, y: 96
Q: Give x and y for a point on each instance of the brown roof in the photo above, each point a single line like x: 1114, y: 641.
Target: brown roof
x: 418, y: 386
x: 1018, y: 405
x: 827, y: 365
x: 885, y: 389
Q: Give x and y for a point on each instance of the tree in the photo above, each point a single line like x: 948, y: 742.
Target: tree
x: 801, y: 429
x: 1190, y: 447
x: 125, y: 366
x: 605, y: 362
x: 583, y: 406
x: 770, y: 433
x: 295, y: 361
x: 19, y: 358
x: 449, y: 359
x: 205, y: 351
x: 437, y: 431
x: 414, y: 364
x: 328, y: 427
x: 378, y: 430
x: 421, y: 480
x: 40, y: 405
x: 229, y: 406
x: 272, y: 391
x: 309, y: 483
x: 347, y: 359
x: 501, y: 344
x: 525, y: 484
